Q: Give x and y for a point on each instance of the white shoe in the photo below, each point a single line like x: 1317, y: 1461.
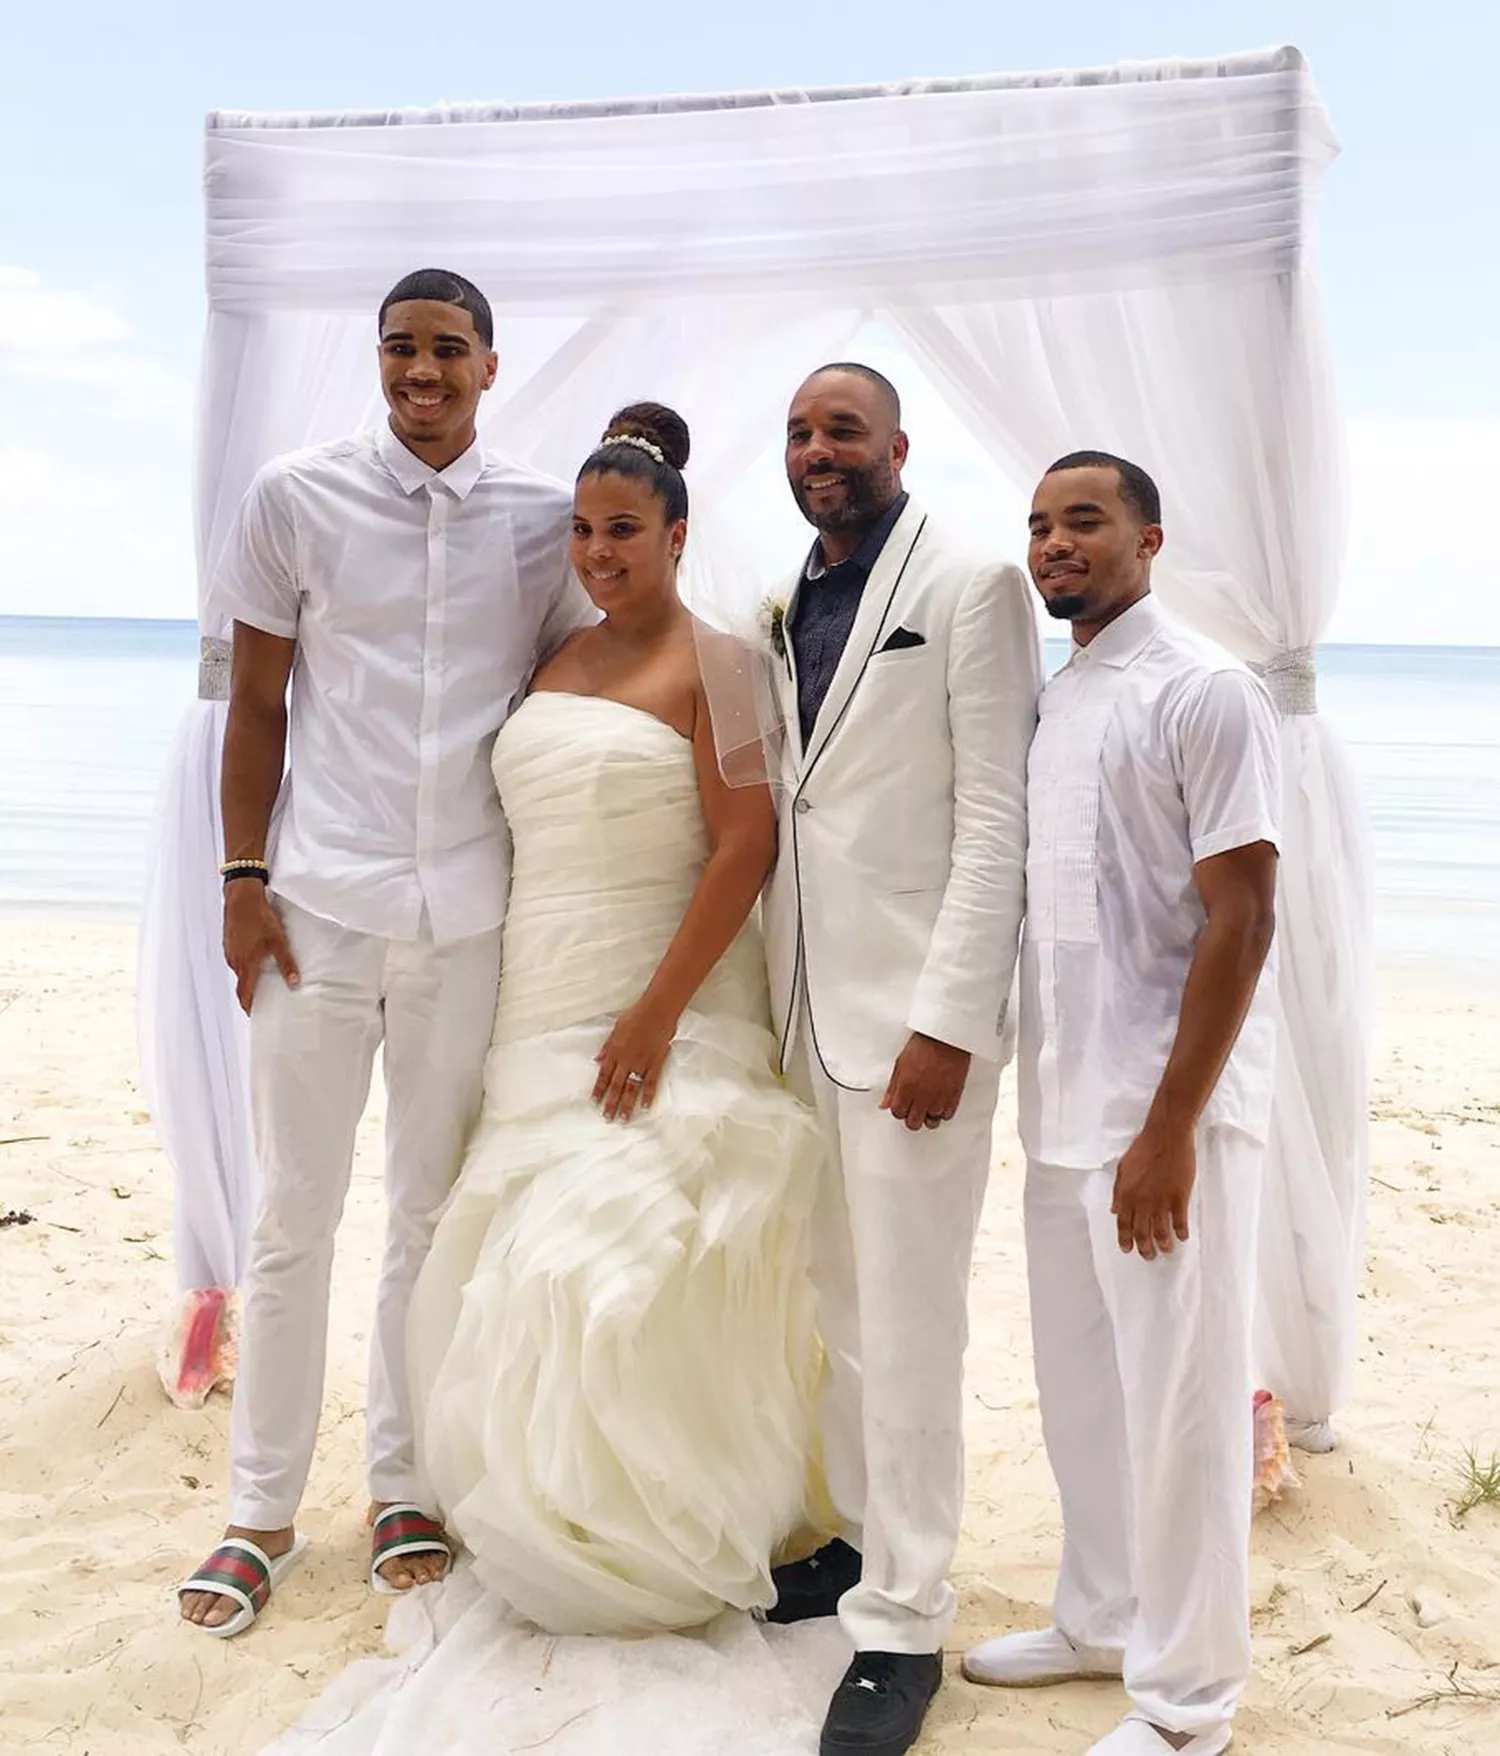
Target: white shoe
x: 1317, y: 1436
x: 1135, y: 1736
x: 1035, y: 1659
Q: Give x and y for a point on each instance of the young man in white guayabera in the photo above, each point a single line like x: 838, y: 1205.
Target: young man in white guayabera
x: 1145, y: 1085
x: 406, y: 582
x: 909, y: 677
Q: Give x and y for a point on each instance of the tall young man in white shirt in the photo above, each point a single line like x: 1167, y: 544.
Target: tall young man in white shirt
x: 1145, y: 1082
x: 405, y: 583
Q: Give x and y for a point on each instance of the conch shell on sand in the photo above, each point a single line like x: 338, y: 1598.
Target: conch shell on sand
x: 201, y: 1346
x: 1273, y: 1458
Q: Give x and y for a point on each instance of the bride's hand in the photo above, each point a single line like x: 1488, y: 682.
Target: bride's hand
x: 632, y: 1059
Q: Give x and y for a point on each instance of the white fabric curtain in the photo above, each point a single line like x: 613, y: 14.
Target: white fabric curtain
x: 1021, y: 186
x: 192, y: 1033
x: 1115, y: 257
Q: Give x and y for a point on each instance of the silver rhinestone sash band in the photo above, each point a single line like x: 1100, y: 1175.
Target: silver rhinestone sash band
x: 213, y: 669
x: 1292, y: 680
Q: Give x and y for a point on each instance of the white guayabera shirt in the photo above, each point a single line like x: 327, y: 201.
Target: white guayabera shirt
x: 420, y: 603
x: 1155, y: 749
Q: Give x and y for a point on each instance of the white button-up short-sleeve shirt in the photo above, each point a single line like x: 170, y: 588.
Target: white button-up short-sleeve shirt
x: 420, y: 602
x: 1154, y: 750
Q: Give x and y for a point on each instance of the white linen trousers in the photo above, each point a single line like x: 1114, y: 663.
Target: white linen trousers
x: 1144, y: 1375
x: 312, y: 1050
x: 893, y: 1241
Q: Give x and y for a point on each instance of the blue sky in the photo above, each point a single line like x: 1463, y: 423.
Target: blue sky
x: 100, y: 244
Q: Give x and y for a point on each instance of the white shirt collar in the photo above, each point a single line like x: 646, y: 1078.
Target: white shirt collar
x: 411, y: 473
x: 1123, y: 639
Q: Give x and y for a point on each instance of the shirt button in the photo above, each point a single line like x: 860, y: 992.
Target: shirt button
x: 803, y: 805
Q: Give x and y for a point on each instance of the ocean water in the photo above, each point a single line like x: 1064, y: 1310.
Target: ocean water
x: 88, y: 711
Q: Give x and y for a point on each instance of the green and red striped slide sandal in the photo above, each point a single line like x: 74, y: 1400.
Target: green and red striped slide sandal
x: 404, y: 1530
x: 244, y: 1573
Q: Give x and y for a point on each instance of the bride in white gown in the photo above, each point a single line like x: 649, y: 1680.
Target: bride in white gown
x: 612, y: 1345
x: 613, y: 1358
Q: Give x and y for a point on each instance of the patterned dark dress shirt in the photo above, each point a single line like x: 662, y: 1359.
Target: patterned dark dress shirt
x: 827, y: 603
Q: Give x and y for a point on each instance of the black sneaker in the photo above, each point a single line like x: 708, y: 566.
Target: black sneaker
x: 879, y: 1707
x: 813, y: 1587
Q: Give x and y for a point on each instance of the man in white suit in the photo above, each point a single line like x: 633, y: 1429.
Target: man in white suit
x: 909, y: 678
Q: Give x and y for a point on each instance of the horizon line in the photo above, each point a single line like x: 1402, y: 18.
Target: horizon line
x: 1333, y: 645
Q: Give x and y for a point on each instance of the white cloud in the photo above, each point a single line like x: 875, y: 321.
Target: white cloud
x: 1419, y: 568
x: 84, y: 541
x: 26, y: 477
x: 95, y: 459
x: 73, y: 348
x: 36, y: 319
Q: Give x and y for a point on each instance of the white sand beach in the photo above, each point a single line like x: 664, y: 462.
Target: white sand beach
x: 1377, y: 1609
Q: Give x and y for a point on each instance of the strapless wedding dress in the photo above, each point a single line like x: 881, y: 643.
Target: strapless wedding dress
x: 613, y: 1355
x: 613, y: 1351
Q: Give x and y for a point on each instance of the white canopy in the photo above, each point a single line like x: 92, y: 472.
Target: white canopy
x: 1114, y: 258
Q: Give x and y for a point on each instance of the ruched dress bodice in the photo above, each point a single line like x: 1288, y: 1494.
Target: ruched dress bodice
x: 602, y: 801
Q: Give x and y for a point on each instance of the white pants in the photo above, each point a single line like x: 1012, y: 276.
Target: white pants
x: 1144, y: 1374
x: 893, y: 1241
x: 312, y: 1049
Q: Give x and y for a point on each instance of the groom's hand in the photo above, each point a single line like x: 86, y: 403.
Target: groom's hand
x: 926, y: 1082
x: 254, y: 936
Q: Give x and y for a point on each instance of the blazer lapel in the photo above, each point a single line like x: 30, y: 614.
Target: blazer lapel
x: 869, y: 625
x: 784, y: 669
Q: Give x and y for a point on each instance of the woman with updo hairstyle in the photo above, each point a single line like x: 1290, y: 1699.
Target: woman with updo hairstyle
x: 650, y: 424
x: 613, y: 1352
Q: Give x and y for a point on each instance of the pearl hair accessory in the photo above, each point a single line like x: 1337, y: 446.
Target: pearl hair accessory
x: 635, y: 440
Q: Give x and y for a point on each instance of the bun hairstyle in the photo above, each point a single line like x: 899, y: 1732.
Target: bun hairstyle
x: 650, y: 442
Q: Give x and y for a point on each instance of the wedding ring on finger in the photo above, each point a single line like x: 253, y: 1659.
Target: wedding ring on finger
x: 635, y: 1078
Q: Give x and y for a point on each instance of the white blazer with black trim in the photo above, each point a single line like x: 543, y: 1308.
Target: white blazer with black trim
x: 899, y: 887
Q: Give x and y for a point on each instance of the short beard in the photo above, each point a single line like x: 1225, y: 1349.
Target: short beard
x: 1067, y: 607
x: 867, y: 494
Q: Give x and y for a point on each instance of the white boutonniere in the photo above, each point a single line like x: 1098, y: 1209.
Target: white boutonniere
x: 773, y: 624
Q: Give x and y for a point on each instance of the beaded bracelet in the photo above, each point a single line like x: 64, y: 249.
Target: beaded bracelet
x: 245, y: 869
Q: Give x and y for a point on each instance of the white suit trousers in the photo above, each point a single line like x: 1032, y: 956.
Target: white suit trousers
x: 1144, y: 1375
x: 893, y: 1241
x: 312, y: 1049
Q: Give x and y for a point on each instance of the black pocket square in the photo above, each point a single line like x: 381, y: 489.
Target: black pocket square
x: 902, y: 640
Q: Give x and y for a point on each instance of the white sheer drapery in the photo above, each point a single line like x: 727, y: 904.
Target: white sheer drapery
x: 1114, y: 257
x: 193, y: 1052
